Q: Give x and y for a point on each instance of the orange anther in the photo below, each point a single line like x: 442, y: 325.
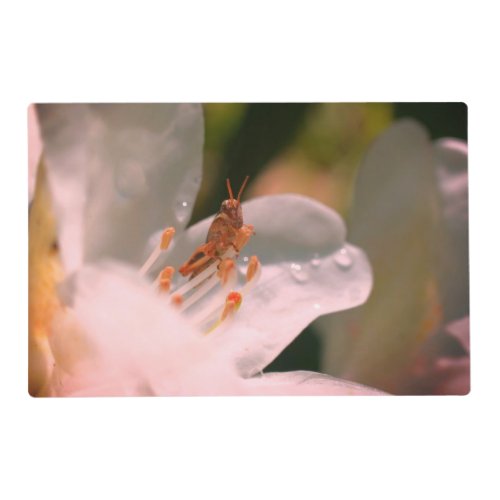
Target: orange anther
x: 166, y: 237
x: 234, y: 297
x: 165, y: 279
x: 226, y: 268
x: 253, y: 267
x: 167, y: 273
x: 177, y: 299
x: 233, y: 302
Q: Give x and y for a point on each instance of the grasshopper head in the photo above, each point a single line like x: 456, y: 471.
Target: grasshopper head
x: 232, y: 207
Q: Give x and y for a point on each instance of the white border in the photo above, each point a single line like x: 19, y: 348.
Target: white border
x: 250, y: 447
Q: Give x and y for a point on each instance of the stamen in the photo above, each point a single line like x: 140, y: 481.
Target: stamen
x: 233, y: 302
x: 165, y: 279
x: 176, y: 300
x: 204, y: 274
x: 166, y: 238
x: 252, y: 275
x: 226, y: 269
x: 214, y: 306
x: 253, y: 267
x: 219, y: 305
x: 254, y: 270
x: 201, y: 291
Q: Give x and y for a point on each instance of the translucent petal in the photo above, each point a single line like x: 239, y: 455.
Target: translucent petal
x: 304, y: 383
x: 122, y: 338
x: 307, y: 270
x: 460, y: 330
x: 119, y: 172
x: 394, y: 218
x: 451, y: 170
x: 34, y: 149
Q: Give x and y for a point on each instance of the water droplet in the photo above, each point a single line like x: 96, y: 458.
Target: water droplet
x: 186, y: 194
x: 130, y: 180
x: 343, y: 259
x: 182, y: 210
x: 243, y: 264
x: 315, y: 261
x: 266, y: 295
x: 299, y: 273
x: 317, y: 306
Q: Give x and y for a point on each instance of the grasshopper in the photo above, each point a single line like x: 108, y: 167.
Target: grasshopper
x: 227, y: 230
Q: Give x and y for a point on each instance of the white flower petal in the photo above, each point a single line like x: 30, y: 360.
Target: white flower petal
x: 451, y: 170
x: 34, y: 149
x: 122, y: 338
x: 394, y: 218
x: 307, y: 271
x: 304, y: 383
x: 395, y: 188
x: 460, y: 330
x: 451, y: 158
x: 119, y: 172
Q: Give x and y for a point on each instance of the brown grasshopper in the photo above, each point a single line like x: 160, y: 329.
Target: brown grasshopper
x: 227, y: 230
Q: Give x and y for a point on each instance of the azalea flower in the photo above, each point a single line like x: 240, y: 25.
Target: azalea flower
x: 410, y: 214
x: 116, y: 177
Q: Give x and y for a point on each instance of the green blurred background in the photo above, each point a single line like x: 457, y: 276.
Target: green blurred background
x: 311, y: 149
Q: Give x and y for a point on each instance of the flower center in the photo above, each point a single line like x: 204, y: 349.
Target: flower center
x: 209, y: 297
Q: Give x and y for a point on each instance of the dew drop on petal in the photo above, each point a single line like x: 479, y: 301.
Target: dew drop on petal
x: 315, y: 261
x: 130, y: 179
x: 299, y: 273
x: 343, y: 259
x: 185, y: 195
x: 242, y: 263
x: 266, y: 294
x: 316, y: 306
x: 182, y: 210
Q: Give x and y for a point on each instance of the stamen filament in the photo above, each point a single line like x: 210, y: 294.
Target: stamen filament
x: 253, y: 267
x: 176, y: 300
x: 215, y: 304
x: 201, y: 291
x: 221, y: 271
x: 203, y: 275
x: 232, y: 304
x: 165, y: 279
x: 226, y: 269
x: 166, y: 238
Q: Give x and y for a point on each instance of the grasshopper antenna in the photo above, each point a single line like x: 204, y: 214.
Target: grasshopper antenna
x: 242, y: 187
x: 229, y: 189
